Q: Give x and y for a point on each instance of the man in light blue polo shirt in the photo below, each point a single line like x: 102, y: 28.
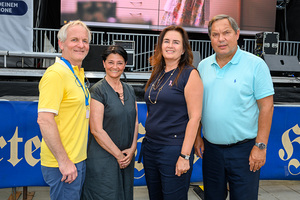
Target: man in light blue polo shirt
x: 237, y: 115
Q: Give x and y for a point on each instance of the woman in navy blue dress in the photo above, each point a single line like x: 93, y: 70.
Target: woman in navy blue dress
x: 174, y: 102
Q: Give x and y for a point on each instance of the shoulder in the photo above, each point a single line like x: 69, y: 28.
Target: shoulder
x: 256, y: 62
x: 100, y: 92
x: 206, y: 62
x: 57, y: 70
x: 54, y: 75
x: 248, y: 57
x: 187, y: 70
x: 129, y: 88
x: 100, y: 85
x: 186, y: 73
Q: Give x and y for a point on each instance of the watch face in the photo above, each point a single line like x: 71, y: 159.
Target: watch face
x: 261, y: 145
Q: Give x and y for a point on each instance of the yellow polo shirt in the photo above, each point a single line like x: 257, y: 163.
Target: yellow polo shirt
x: 60, y: 94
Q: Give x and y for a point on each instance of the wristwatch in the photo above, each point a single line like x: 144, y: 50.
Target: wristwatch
x: 187, y: 157
x: 261, y: 145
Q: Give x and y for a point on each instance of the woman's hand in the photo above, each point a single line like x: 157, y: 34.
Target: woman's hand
x: 126, y: 160
x: 182, y: 166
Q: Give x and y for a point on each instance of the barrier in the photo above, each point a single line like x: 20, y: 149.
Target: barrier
x: 46, y: 41
x: 20, y: 141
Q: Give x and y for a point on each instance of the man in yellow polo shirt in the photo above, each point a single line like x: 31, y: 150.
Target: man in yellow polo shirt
x: 63, y: 115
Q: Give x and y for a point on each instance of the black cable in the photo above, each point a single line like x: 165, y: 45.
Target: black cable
x: 285, y: 21
x: 125, y: 76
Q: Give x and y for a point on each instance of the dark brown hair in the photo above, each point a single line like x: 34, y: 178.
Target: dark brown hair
x: 114, y: 49
x: 158, y: 61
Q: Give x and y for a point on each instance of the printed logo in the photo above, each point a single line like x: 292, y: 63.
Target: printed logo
x: 13, y: 8
x: 139, y: 167
x: 287, y: 153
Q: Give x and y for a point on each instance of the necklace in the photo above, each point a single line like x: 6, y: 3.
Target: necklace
x: 157, y: 85
x: 121, y: 96
x: 158, y: 81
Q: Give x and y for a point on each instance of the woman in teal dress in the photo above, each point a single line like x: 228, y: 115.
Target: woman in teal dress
x: 114, y: 129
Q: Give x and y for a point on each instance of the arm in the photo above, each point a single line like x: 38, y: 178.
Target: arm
x: 131, y: 151
x: 257, y: 157
x: 193, y: 93
x: 52, y: 139
x: 199, y: 144
x: 96, y: 128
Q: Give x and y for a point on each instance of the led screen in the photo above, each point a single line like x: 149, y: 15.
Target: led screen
x: 252, y: 15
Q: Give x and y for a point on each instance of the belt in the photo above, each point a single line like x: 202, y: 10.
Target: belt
x: 234, y: 144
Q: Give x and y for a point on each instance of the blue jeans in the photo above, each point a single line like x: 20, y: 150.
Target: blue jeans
x: 222, y: 165
x: 159, y: 165
x: 60, y: 190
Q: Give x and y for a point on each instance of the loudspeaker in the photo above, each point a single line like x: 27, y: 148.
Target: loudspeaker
x: 266, y: 43
x: 130, y: 58
x: 93, y: 61
x: 129, y: 46
x: 197, y: 58
x: 284, y: 65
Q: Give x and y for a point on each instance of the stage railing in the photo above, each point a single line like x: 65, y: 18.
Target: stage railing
x: 144, y: 47
x: 287, y: 48
x: 45, y: 41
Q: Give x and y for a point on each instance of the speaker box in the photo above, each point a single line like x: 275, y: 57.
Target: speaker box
x: 130, y: 59
x: 282, y: 65
x: 93, y: 61
x: 129, y: 46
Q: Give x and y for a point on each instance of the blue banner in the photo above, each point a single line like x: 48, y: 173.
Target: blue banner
x: 13, y: 7
x: 20, y: 141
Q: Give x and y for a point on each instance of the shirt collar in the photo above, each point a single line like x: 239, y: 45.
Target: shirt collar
x: 58, y: 60
x: 235, y: 59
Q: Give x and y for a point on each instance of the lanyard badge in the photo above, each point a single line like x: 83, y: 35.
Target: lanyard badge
x: 85, y: 90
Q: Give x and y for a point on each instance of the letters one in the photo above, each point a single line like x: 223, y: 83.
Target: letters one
x: 30, y: 147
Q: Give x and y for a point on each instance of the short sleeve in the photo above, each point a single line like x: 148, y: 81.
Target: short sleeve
x: 97, y: 92
x: 51, y: 92
x: 263, y: 85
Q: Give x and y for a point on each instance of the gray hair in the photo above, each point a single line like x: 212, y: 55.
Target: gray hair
x: 62, y: 33
x: 232, y: 22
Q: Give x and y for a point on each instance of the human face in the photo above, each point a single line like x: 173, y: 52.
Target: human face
x: 224, y: 39
x: 172, y: 46
x: 76, y: 46
x: 114, y: 65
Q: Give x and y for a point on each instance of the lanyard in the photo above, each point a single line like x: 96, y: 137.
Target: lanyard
x: 86, y: 93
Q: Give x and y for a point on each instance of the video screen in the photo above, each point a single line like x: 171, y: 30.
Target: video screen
x: 252, y: 15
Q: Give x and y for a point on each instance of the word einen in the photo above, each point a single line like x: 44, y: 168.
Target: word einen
x: 6, y: 7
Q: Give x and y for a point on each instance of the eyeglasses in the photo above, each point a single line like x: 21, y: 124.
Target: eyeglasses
x: 87, y: 83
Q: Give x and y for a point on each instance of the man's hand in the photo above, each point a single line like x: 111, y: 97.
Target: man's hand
x: 68, y: 171
x: 257, y: 158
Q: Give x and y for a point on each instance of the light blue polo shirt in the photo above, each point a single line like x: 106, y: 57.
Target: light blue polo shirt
x: 230, y: 112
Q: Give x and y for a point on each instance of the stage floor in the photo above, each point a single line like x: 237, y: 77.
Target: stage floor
x: 268, y: 190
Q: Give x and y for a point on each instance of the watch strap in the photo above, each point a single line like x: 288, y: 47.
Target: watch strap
x: 186, y: 157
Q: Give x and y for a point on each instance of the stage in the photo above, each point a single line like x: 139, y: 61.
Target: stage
x: 20, y: 141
